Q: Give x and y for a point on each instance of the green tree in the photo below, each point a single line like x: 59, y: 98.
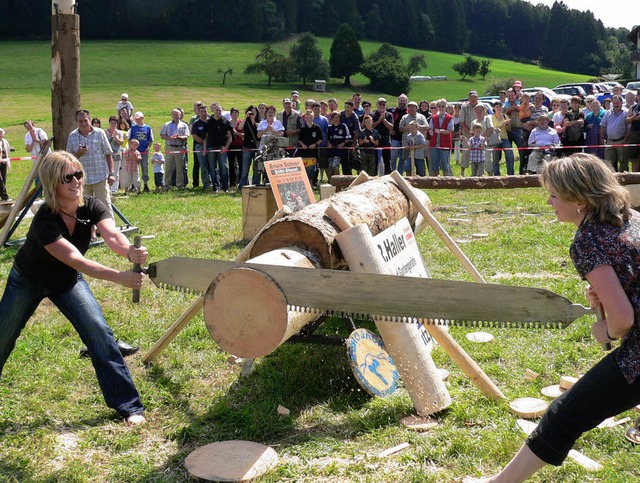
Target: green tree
x: 267, y: 61
x: 307, y: 56
x: 416, y: 62
x: 386, y: 71
x: 346, y: 54
x: 468, y: 67
x: 484, y: 68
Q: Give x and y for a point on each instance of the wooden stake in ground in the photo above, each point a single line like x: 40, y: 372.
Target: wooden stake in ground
x: 65, y: 69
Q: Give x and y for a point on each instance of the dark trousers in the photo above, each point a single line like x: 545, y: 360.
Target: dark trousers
x: 3, y: 179
x: 601, y: 393
x: 195, y: 172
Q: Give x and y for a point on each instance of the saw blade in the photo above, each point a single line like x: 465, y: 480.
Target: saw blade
x: 387, y: 297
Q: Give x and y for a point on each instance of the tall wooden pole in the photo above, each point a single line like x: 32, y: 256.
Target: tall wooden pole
x: 65, y: 69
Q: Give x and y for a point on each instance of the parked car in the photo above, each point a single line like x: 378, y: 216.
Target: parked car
x: 571, y: 91
x: 589, y: 87
x: 633, y: 86
x: 548, y: 94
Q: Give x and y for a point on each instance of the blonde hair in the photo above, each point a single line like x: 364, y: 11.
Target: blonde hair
x: 586, y: 178
x: 52, y: 172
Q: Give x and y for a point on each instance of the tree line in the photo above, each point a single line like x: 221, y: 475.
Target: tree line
x: 556, y: 37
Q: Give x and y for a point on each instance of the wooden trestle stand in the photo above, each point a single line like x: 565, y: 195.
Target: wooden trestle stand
x: 236, y: 316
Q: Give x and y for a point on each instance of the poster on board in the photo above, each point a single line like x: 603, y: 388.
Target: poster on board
x: 290, y: 183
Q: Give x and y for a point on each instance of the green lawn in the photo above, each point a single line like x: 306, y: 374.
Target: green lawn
x: 161, y: 75
x: 54, y: 426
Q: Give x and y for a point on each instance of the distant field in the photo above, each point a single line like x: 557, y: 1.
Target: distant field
x: 161, y: 75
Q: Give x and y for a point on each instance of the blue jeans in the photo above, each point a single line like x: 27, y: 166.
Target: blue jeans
x: 395, y: 154
x: 406, y: 167
x: 22, y: 297
x: 217, y: 163
x: 205, y: 175
x: 440, y: 160
x: 508, y: 156
x: 247, y: 157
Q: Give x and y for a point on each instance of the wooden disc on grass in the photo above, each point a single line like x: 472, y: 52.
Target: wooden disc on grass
x: 373, y: 367
x: 552, y: 392
x: 231, y: 461
x: 479, y: 337
x: 246, y: 312
x: 444, y: 374
x: 477, y: 236
x: 566, y: 382
x: 528, y: 407
x: 418, y: 423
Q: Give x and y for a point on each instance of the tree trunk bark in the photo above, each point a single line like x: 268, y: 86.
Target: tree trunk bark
x: 378, y: 203
x: 65, y: 75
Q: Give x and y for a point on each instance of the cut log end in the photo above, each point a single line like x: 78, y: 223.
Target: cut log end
x: 246, y: 312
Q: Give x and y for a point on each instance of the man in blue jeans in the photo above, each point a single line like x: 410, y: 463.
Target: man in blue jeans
x: 218, y: 138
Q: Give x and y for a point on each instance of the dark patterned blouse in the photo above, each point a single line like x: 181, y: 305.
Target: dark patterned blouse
x: 598, y: 244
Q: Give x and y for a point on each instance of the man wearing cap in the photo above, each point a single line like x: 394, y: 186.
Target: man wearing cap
x: 383, y: 123
x: 413, y: 115
x: 144, y: 134
x: 291, y: 121
x: 545, y: 139
x: 295, y: 100
x: 124, y: 102
x: 467, y: 116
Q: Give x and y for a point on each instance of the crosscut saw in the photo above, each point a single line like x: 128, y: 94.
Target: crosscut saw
x: 386, y: 297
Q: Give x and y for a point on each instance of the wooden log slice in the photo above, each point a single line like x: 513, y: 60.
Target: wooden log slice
x: 231, y: 461
x: 378, y: 203
x: 245, y: 311
x: 528, y: 407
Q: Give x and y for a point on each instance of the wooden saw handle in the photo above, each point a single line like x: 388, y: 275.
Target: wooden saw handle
x: 601, y: 316
x: 135, y: 297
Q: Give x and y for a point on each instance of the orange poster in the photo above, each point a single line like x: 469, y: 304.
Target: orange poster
x: 289, y: 183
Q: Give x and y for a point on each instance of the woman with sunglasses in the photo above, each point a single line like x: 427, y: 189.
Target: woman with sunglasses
x: 51, y: 264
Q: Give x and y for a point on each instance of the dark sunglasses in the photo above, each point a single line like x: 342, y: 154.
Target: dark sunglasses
x: 68, y: 177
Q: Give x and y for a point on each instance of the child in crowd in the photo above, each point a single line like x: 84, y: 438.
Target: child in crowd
x: 456, y: 132
x: 131, y: 174
x: 368, y: 139
x: 414, y: 144
x: 477, y: 145
x: 157, y: 159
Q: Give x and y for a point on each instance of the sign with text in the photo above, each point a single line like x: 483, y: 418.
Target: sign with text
x: 398, y: 248
x: 290, y: 183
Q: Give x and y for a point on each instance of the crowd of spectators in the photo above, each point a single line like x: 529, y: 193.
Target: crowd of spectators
x: 414, y: 137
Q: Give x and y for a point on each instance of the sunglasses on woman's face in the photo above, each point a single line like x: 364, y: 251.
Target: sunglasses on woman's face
x: 68, y: 177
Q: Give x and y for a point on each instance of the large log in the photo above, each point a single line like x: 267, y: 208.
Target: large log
x: 377, y: 203
x: 478, y: 182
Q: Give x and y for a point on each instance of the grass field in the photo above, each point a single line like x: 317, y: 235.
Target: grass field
x: 55, y: 427
x: 161, y: 75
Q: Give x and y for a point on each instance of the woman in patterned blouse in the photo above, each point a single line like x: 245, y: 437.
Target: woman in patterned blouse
x: 605, y: 252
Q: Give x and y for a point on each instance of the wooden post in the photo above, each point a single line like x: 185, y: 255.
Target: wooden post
x: 404, y: 342
x: 363, y: 258
x: 437, y: 227
x: 65, y: 69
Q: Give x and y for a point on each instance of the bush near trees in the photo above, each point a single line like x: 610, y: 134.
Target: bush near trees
x: 386, y: 71
x: 467, y: 67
